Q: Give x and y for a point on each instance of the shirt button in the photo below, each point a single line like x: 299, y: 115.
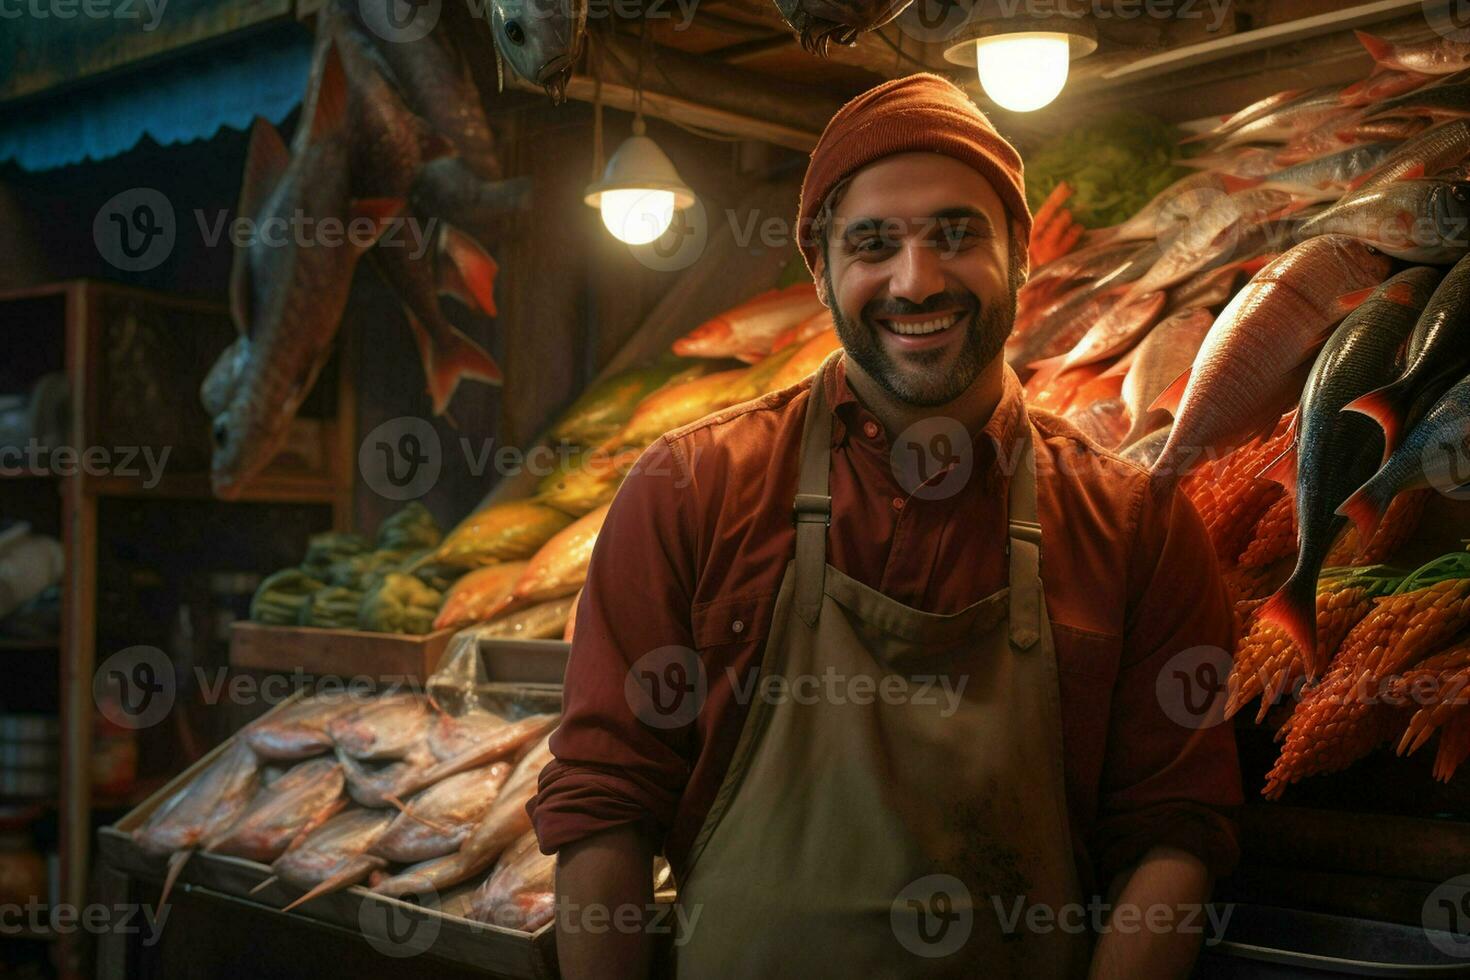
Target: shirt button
x: 898, y: 503
x: 738, y: 626
x: 870, y: 429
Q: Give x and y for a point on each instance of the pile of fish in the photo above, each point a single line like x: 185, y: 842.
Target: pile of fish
x: 1285, y: 335
x: 335, y: 790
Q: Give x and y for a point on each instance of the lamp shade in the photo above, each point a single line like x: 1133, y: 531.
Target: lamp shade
x: 639, y: 191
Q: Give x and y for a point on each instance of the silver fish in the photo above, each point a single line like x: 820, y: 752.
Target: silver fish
x: 541, y: 39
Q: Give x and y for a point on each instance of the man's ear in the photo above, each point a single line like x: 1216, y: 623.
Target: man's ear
x: 819, y: 276
x: 1022, y: 242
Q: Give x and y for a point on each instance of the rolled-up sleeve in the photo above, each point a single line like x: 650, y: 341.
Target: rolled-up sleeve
x: 1171, y: 775
x: 609, y: 768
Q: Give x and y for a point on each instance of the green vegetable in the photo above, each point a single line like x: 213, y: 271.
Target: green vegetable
x: 325, y: 550
x: 1116, y: 165
x: 334, y: 607
x: 411, y: 528
x: 280, y: 597
x: 399, y: 603
x: 360, y: 572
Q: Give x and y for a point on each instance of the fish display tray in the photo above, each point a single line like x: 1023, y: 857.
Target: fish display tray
x: 336, y: 653
x: 393, y: 927
x: 525, y: 661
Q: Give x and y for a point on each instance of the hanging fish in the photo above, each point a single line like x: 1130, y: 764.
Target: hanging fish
x: 541, y: 39
x: 820, y: 23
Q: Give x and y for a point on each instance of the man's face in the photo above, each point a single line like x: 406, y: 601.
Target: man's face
x: 917, y: 273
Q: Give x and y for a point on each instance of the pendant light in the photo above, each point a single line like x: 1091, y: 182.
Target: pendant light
x: 1022, y: 61
x: 639, y: 190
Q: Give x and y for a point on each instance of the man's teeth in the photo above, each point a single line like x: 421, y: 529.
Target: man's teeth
x: 927, y: 326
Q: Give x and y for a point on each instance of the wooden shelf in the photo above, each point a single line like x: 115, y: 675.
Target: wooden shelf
x: 197, y: 486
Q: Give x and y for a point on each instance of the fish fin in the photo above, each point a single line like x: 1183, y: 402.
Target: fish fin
x: 407, y: 811
x: 349, y: 875
x: 1231, y: 183
x: 1387, y: 406
x: 264, y: 885
x: 444, y: 366
x: 176, y: 862
x: 1378, y: 49
x: 330, y: 110
x: 266, y: 163
x: 1170, y: 397
x: 1349, y: 301
x: 1366, y: 512
x: 1293, y: 610
x: 469, y: 275
x: 1282, y: 470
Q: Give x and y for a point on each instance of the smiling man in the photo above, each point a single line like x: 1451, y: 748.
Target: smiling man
x: 897, y: 672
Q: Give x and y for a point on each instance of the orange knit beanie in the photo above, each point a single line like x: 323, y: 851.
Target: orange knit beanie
x: 919, y: 113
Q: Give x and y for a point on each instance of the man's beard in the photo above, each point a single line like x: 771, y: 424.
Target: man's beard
x: 986, y: 329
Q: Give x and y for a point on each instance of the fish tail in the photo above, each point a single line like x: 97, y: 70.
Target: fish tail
x: 468, y: 272
x: 1387, y: 406
x: 1365, y: 509
x: 444, y: 366
x: 349, y: 875
x: 1293, y: 609
x: 1379, y: 49
x: 176, y: 862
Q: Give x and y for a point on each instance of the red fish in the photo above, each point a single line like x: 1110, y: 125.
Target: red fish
x: 750, y: 330
x: 1167, y: 351
x: 1437, y: 56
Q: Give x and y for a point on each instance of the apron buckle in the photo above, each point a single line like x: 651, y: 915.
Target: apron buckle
x: 813, y: 507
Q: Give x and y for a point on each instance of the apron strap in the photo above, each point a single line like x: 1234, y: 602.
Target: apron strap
x: 813, y: 509
x: 1024, y: 548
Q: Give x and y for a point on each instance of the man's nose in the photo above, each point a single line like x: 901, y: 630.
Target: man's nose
x: 917, y: 273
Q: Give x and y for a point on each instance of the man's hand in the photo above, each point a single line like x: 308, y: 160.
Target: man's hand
x: 604, y: 875
x: 1166, y: 878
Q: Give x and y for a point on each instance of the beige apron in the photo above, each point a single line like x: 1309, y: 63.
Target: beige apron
x: 884, y: 827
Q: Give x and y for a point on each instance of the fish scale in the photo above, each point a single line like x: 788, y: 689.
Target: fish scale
x: 1428, y: 153
x: 297, y: 801
x: 1332, y: 454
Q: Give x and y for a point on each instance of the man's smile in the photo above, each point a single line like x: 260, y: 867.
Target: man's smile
x: 922, y: 331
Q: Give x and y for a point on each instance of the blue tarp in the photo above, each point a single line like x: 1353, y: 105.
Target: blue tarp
x: 185, y: 98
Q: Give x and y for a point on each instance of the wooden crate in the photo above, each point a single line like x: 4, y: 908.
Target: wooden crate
x: 336, y: 653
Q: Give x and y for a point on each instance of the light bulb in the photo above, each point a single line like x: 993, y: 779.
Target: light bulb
x: 638, y: 215
x: 1023, y: 72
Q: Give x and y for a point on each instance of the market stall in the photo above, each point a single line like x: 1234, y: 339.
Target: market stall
x: 1249, y: 275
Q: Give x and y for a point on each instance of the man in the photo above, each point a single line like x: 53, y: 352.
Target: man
x: 880, y: 723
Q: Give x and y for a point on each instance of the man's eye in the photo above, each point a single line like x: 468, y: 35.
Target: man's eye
x: 868, y: 245
x: 959, y: 235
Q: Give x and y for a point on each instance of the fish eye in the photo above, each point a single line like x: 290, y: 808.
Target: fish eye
x: 514, y: 34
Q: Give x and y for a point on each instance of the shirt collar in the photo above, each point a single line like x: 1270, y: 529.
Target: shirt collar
x: 998, y: 438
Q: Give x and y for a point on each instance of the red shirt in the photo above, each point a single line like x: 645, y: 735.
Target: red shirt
x: 699, y: 535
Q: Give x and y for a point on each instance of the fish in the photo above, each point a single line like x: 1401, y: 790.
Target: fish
x: 1431, y: 455
x: 1438, y: 354
x: 1092, y: 261
x: 1255, y: 110
x: 749, y: 330
x: 287, y: 300
x: 1112, y: 334
x: 1415, y: 220
x: 674, y: 405
x: 473, y: 597
x: 1331, y: 454
x: 1327, y: 177
x: 390, y: 146
x: 297, y: 731
x: 1437, y: 56
x: 1339, y: 134
x: 1163, y: 355
x: 385, y: 783
x: 520, y: 892
x: 543, y: 621
x: 806, y: 360
x: 1237, y: 161
x: 1382, y: 84
x: 211, y: 800
x: 1422, y: 156
x: 821, y: 23
x: 1146, y: 450
x: 560, y: 567
x: 334, y: 855
x: 1171, y: 208
x: 453, y: 735
x: 438, y: 819
x: 1217, y: 234
x: 305, y: 796
x: 1449, y: 100
x: 1286, y: 121
x: 502, y: 825
x: 1214, y: 287
x: 1256, y: 356
x: 542, y: 41
x: 384, y: 728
